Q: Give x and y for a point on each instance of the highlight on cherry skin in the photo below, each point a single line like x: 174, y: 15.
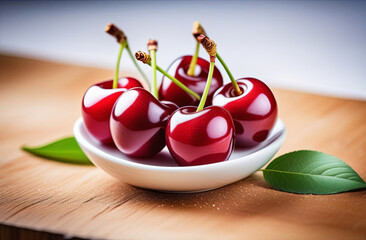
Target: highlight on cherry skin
x: 197, y: 138
x: 97, y: 105
x: 254, y: 111
x: 138, y: 122
x: 178, y: 69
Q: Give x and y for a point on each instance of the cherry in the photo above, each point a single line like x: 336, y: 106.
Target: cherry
x: 97, y: 106
x: 138, y: 119
x: 99, y: 99
x: 250, y: 102
x: 196, y: 138
x: 198, y: 135
x: 170, y: 92
x: 254, y: 111
x: 138, y: 122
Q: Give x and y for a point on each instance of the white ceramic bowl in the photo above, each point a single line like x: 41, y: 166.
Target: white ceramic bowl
x: 163, y: 174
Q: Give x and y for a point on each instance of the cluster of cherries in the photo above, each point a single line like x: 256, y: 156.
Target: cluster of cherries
x: 192, y: 112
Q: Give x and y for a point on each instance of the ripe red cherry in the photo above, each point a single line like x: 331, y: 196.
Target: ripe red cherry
x: 138, y: 123
x: 196, y: 138
x: 97, y: 106
x: 254, y: 111
x: 170, y: 92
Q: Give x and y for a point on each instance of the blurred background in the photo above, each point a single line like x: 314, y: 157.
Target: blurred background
x: 312, y: 46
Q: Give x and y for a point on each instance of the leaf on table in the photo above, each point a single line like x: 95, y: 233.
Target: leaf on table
x: 66, y: 150
x: 311, y: 172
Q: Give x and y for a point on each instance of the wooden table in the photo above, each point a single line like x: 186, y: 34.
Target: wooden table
x: 40, y: 101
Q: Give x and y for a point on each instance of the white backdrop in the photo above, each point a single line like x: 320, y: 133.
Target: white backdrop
x: 314, y: 46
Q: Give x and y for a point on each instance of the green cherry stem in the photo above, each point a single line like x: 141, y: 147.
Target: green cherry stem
x: 207, y: 87
x: 137, y: 66
x: 152, y: 47
x: 197, y: 29
x: 121, y: 38
x: 116, y: 73
x: 235, y: 84
x: 154, y: 87
x: 145, y: 58
x: 192, y: 65
x: 210, y: 47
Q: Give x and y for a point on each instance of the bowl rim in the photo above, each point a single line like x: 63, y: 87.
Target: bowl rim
x: 120, y: 161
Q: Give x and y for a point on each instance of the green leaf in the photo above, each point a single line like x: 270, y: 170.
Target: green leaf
x: 311, y: 172
x: 65, y: 150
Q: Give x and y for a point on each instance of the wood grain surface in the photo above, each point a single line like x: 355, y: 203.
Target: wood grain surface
x: 40, y: 101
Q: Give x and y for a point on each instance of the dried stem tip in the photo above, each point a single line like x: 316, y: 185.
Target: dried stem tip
x: 143, y: 57
x: 152, y: 45
x: 208, y: 44
x: 116, y: 32
x: 198, y: 29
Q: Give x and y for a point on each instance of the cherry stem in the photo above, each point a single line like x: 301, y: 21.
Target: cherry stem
x: 235, y: 84
x: 154, y: 87
x: 207, y: 87
x: 192, y: 65
x: 137, y: 66
x: 116, y: 73
x: 145, y: 58
x: 178, y: 83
